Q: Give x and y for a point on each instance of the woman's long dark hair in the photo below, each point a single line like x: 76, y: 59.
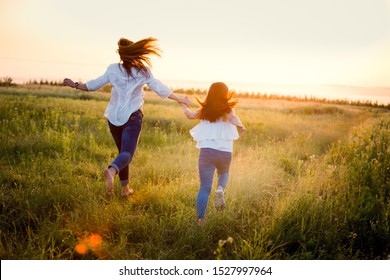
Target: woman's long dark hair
x: 218, y: 102
x: 137, y: 54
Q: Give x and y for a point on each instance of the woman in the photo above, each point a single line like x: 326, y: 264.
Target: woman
x: 124, y: 110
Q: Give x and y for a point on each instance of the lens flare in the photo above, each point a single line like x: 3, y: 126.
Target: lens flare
x: 81, y: 249
x: 91, y: 242
x: 94, y: 240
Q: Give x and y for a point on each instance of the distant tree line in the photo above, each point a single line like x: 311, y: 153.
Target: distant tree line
x: 275, y: 96
x: 44, y: 82
x: 8, y: 81
x: 106, y: 88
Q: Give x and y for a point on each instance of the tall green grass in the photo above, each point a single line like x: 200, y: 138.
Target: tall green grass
x: 307, y: 181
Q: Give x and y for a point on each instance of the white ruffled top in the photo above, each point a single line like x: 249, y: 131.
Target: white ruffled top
x: 217, y: 135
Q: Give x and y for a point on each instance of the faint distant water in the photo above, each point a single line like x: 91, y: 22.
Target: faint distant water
x: 330, y: 92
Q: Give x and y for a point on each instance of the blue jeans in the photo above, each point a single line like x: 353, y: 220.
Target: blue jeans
x: 126, y: 139
x: 209, y: 160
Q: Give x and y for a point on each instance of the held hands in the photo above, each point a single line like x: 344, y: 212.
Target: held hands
x: 181, y: 100
x: 184, y: 102
x: 184, y: 106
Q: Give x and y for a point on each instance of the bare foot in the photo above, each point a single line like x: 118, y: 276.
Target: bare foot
x: 110, y: 175
x: 126, y: 191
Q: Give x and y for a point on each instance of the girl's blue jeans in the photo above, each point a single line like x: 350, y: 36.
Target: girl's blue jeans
x: 209, y: 161
x: 126, y: 139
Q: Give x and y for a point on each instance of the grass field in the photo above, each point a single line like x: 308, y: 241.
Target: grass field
x: 307, y: 181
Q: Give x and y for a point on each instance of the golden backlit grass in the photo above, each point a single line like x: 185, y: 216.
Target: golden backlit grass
x: 307, y: 181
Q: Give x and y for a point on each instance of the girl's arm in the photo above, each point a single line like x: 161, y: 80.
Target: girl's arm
x: 233, y: 119
x: 189, y: 114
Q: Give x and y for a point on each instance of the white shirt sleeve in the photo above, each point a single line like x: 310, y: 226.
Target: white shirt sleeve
x: 158, y: 87
x: 98, y: 82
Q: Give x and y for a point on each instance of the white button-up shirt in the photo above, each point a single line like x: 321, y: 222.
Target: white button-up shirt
x: 127, y: 95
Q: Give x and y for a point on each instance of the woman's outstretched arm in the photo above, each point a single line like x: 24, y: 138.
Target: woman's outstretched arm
x: 70, y: 83
x: 182, y: 100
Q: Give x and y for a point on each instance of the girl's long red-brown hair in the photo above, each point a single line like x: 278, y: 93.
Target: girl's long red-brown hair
x: 218, y: 102
x: 137, y: 54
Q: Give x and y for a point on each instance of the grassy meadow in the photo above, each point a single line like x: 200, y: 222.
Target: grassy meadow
x: 307, y: 181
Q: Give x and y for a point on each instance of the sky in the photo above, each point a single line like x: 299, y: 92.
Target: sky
x: 284, y: 42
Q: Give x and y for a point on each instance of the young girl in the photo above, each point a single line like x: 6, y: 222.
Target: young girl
x: 214, y: 135
x: 124, y: 110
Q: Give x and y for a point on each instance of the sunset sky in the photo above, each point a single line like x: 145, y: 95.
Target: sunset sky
x: 249, y: 41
